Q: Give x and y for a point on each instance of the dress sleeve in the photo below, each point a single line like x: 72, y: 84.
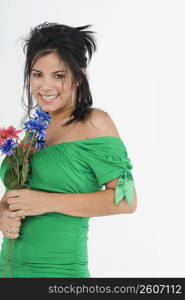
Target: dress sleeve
x: 108, y: 159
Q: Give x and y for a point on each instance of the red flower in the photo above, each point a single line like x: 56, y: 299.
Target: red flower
x: 10, y: 132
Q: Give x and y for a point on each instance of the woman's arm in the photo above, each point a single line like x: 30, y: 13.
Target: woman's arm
x: 99, y: 203
x: 26, y: 202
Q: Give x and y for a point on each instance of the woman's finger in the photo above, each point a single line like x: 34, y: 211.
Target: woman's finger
x: 12, y: 215
x: 12, y: 201
x: 14, y: 230
x: 14, y: 207
x: 11, y: 235
x: 15, y: 224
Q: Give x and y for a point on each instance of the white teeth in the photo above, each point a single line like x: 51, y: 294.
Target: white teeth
x: 49, y: 97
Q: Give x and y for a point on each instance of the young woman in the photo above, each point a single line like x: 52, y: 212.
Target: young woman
x: 83, y: 153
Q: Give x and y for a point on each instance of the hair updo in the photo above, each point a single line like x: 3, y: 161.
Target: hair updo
x: 72, y: 44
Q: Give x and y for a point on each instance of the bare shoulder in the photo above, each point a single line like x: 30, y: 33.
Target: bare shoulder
x: 102, y: 124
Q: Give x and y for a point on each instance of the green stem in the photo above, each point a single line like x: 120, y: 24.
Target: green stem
x: 12, y: 175
x: 17, y: 167
x: 27, y: 152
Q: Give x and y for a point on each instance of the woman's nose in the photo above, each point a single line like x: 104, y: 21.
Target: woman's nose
x: 47, y: 83
x: 47, y: 87
x: 47, y: 91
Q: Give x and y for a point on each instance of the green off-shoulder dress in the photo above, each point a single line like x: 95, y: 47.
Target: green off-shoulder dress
x: 54, y: 244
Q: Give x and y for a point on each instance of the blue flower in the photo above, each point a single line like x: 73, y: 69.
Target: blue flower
x: 7, y: 147
x: 40, y: 143
x: 36, y: 125
x: 42, y: 115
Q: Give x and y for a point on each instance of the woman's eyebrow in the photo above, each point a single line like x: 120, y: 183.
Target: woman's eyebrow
x: 52, y: 73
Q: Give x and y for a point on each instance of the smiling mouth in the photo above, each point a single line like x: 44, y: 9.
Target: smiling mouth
x: 49, y: 98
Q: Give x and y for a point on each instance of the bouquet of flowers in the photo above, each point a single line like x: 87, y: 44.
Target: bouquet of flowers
x: 18, y: 153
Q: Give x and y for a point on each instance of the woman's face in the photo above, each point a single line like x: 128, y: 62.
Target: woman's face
x: 46, y: 80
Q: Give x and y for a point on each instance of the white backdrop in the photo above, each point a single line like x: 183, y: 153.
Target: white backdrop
x: 137, y: 76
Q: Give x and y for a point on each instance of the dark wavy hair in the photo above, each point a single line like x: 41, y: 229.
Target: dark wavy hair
x: 71, y: 44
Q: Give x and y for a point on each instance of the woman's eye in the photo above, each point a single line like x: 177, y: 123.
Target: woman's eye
x: 59, y: 75
x: 35, y: 74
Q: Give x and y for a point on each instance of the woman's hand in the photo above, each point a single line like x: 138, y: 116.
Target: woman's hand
x: 26, y: 202
x: 9, y: 224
